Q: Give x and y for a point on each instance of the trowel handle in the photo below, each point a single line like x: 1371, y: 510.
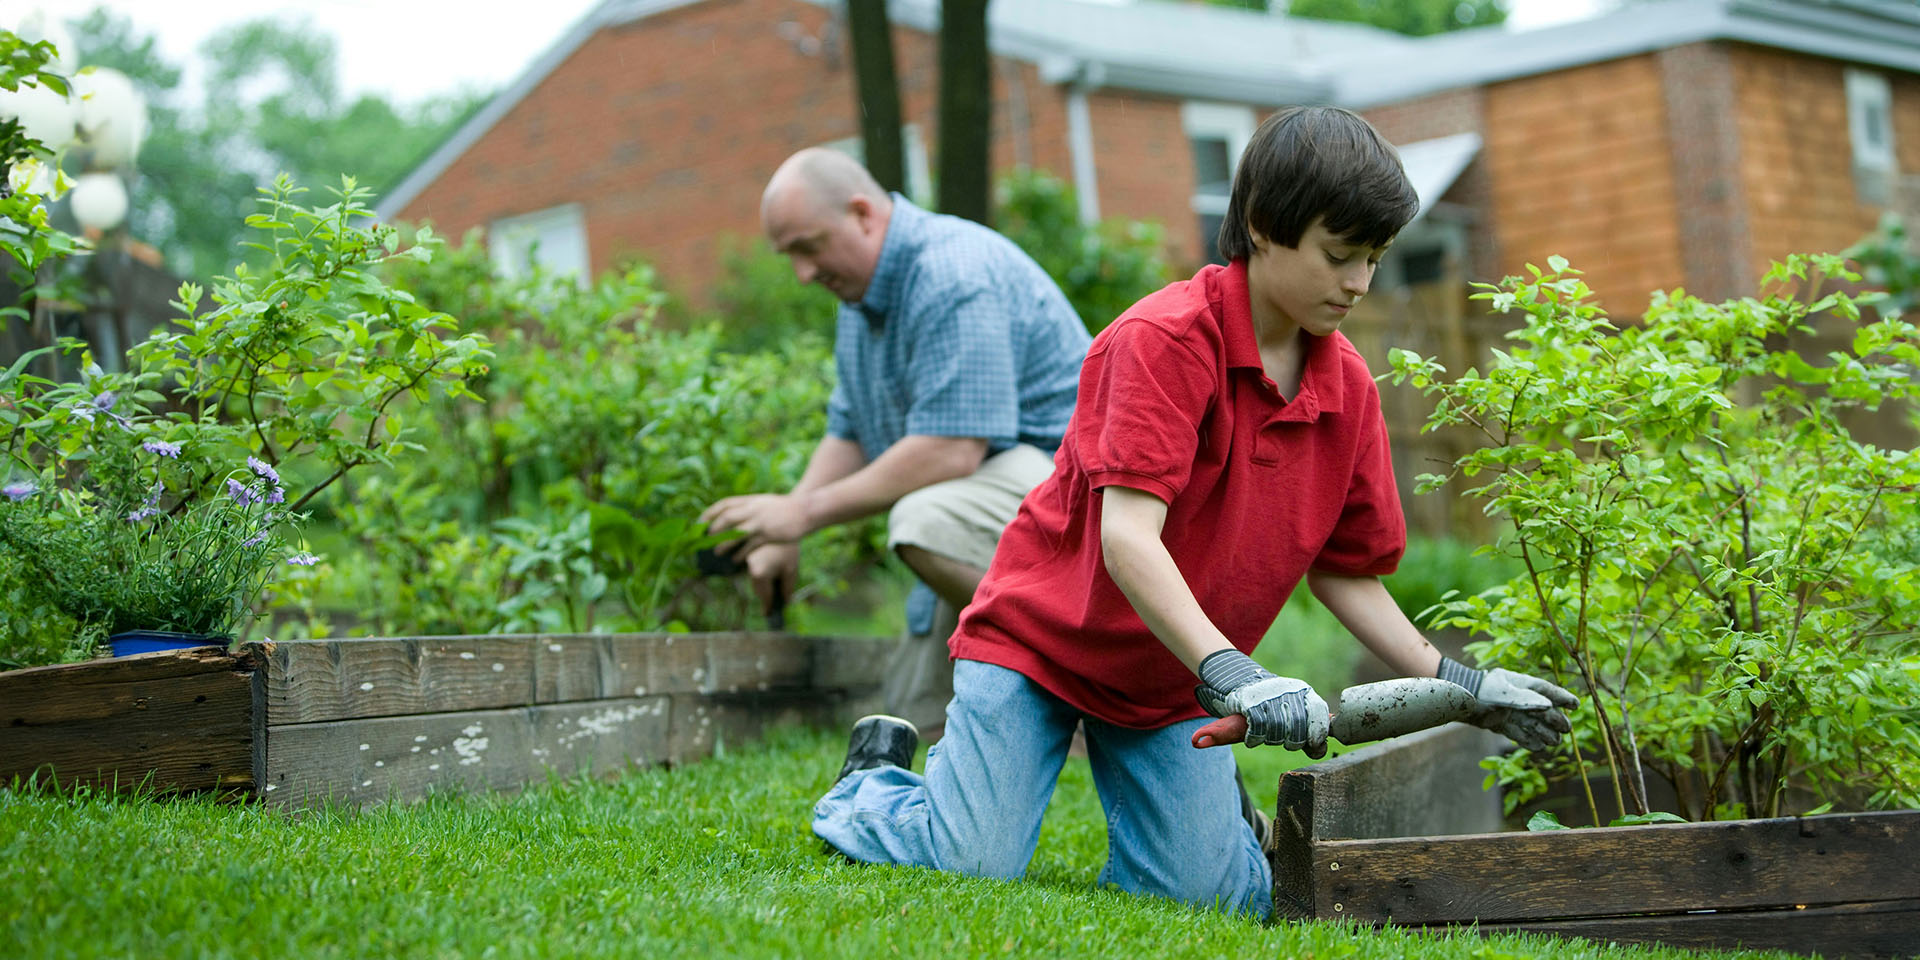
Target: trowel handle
x: 1221, y: 732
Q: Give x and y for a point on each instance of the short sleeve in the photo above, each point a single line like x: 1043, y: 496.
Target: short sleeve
x: 1371, y: 533
x: 840, y: 414
x: 1143, y: 397
x: 962, y: 368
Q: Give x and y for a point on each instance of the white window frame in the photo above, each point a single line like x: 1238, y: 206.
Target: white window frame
x: 555, y: 238
x: 919, y: 186
x: 1231, y: 122
x: 1870, y: 98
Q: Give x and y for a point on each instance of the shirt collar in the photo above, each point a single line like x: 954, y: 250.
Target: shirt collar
x: 903, y: 240
x: 1322, y: 388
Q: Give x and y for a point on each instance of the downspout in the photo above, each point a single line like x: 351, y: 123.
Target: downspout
x: 1079, y: 77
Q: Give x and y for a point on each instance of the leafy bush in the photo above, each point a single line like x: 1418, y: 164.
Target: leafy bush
x: 294, y: 368
x: 760, y: 305
x: 1103, y: 269
x: 1723, y: 571
x: 576, y: 481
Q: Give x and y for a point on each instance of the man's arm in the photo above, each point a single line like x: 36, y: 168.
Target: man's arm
x: 830, y: 493
x: 1365, y: 608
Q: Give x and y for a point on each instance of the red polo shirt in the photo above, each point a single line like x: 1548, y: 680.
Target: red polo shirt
x: 1174, y: 401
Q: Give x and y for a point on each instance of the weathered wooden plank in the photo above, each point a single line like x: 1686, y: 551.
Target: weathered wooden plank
x: 1890, y: 928
x: 179, y: 720
x: 313, y: 681
x: 704, y: 723
x: 1426, y: 783
x: 591, y: 667
x: 376, y: 759
x: 1831, y: 859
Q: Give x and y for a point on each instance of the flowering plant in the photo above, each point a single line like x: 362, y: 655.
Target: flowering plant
x: 123, y: 538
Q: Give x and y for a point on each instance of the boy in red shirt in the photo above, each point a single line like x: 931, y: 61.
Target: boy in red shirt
x: 1227, y: 442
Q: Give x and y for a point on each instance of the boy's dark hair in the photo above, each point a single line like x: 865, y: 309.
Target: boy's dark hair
x: 1317, y: 162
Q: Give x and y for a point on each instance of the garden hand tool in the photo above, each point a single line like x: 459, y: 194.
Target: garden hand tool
x: 1371, y: 711
x: 713, y: 563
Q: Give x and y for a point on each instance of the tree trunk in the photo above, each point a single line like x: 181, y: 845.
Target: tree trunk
x: 877, y: 92
x: 966, y: 108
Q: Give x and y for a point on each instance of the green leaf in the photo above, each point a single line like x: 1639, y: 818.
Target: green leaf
x: 1545, y: 820
x: 1641, y: 819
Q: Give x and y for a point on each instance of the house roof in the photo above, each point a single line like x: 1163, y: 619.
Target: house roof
x: 1213, y: 53
x: 1884, y: 33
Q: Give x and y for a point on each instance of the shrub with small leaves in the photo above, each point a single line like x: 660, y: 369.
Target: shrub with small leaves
x: 1710, y: 558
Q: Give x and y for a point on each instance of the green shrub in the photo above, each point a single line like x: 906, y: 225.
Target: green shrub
x: 1722, y: 571
x: 566, y: 498
x: 1103, y: 269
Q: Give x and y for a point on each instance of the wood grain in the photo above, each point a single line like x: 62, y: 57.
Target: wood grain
x: 1831, y: 859
x: 178, y: 720
x: 1889, y: 928
x: 401, y: 758
x: 315, y: 681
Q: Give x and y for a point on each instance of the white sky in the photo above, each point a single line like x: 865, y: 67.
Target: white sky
x: 410, y: 49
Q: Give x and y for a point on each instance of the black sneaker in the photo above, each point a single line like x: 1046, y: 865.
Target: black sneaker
x: 879, y: 740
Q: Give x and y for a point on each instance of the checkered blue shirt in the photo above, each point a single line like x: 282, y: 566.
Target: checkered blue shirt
x: 960, y: 334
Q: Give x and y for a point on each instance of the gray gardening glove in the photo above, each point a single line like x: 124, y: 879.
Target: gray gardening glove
x: 1526, y: 709
x: 1279, y: 710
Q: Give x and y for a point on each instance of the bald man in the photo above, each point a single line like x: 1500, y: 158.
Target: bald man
x: 958, y: 362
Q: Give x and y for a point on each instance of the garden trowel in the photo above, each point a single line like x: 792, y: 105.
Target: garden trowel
x: 1370, y: 711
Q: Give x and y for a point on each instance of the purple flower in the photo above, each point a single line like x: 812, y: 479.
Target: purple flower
x: 239, y: 492
x: 263, y: 470
x: 142, y: 514
x: 276, y: 495
x: 163, y: 448
x: 18, y: 491
x: 255, y: 540
x: 303, y: 560
x: 105, y: 401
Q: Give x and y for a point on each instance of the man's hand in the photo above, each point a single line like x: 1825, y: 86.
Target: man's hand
x: 1528, y: 710
x: 1279, y: 710
x: 771, y: 565
x: 764, y: 517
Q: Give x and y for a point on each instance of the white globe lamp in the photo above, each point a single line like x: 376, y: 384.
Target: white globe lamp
x: 44, y: 115
x: 111, y: 115
x: 99, y: 201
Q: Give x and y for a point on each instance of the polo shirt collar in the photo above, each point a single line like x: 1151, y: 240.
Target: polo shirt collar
x: 905, y: 228
x: 1322, y: 388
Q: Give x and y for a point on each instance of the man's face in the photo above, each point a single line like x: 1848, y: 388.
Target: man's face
x: 835, y: 248
x: 1313, y: 284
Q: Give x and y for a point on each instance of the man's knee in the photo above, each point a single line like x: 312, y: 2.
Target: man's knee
x: 920, y: 518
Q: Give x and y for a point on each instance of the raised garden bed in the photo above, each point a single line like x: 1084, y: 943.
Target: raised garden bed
x: 1388, y: 835
x: 357, y: 721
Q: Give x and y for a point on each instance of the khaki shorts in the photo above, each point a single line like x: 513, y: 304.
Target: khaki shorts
x: 961, y: 520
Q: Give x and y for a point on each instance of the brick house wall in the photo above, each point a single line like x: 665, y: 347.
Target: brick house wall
x: 666, y: 129
x: 1797, y: 157
x: 1143, y: 166
x: 1580, y: 163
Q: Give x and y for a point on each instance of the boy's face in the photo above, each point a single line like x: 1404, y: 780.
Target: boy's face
x: 1314, y: 284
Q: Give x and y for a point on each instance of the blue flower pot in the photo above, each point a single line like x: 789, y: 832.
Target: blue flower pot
x: 148, y: 641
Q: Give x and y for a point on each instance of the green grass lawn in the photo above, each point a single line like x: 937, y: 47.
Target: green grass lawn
x: 710, y: 859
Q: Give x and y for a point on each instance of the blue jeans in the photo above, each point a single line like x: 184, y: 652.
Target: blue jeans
x: 1174, y: 827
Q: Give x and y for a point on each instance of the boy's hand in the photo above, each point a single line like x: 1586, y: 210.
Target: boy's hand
x: 1527, y: 709
x: 1279, y: 710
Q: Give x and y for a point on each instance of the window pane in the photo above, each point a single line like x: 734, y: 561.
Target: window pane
x: 1212, y: 165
